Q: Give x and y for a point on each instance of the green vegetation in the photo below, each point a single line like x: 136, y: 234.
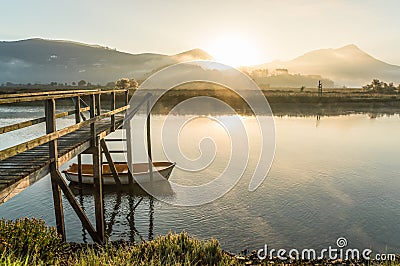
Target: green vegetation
x: 31, y: 242
x: 378, y: 86
x: 172, y: 249
x: 124, y: 83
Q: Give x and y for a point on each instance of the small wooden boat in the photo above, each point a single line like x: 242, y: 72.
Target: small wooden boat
x: 140, y: 172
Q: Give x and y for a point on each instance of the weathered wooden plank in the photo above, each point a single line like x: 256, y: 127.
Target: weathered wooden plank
x: 8, y: 178
x: 7, y: 182
x: 18, y: 166
x: 15, y: 172
x: 65, y: 156
x: 35, y: 152
x: 21, y: 184
x: 28, y: 158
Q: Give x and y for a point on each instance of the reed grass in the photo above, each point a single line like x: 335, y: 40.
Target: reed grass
x: 30, y: 242
x: 172, y: 249
x: 29, y: 238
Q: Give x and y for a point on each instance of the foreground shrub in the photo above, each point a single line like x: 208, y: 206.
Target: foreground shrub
x: 172, y: 249
x: 29, y: 240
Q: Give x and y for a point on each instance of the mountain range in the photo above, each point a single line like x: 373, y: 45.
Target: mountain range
x: 44, y: 61
x: 41, y: 61
x: 346, y: 66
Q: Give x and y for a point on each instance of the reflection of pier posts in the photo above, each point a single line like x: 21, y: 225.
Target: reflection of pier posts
x: 131, y: 219
x: 114, y: 214
x: 151, y: 217
x: 84, y: 238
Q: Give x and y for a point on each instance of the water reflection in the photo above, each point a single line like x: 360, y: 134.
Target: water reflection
x: 338, y: 179
x: 318, y: 120
x: 114, y: 197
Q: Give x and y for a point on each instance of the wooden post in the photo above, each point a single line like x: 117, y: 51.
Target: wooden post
x: 80, y: 170
x: 128, y: 141
x: 50, y: 111
x: 150, y: 159
x: 98, y: 104
x: 98, y: 190
x: 112, y: 108
x: 126, y: 100
x: 98, y: 112
x: 98, y: 181
x: 77, y: 121
x: 92, y: 105
x: 128, y: 137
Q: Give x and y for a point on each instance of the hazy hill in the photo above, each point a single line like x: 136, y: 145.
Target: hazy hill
x: 44, y: 61
x: 38, y: 60
x: 347, y: 65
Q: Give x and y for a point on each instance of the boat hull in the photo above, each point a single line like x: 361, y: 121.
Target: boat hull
x: 161, y: 172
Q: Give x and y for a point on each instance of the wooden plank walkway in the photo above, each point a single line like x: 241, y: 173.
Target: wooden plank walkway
x: 20, y: 171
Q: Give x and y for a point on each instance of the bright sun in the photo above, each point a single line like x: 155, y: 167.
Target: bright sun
x: 234, y: 51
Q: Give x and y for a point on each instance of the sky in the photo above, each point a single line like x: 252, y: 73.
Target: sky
x: 247, y: 32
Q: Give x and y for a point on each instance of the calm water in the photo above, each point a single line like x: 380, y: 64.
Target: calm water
x: 335, y: 177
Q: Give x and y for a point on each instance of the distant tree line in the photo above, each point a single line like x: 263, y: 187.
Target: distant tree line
x: 121, y: 83
x: 378, y: 86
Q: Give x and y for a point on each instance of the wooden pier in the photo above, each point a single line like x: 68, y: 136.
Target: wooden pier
x: 23, y: 164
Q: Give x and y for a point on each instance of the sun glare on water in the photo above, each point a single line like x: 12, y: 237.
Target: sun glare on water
x: 234, y: 51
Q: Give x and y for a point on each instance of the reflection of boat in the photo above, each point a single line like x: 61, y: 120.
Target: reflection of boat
x: 161, y: 188
x: 140, y: 172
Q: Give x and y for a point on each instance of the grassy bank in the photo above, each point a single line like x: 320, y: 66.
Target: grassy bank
x: 31, y: 242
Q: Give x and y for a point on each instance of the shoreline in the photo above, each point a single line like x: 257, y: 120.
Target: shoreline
x: 283, y: 102
x: 31, y: 242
